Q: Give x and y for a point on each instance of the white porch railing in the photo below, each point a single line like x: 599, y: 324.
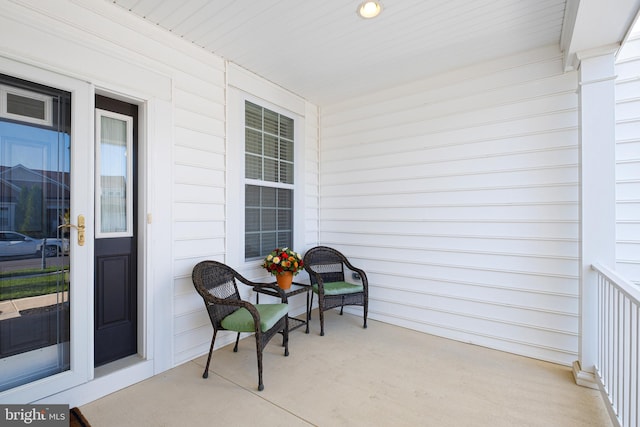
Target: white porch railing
x: 617, y: 367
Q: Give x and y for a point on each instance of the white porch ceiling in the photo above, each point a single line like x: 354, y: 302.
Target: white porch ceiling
x: 323, y: 51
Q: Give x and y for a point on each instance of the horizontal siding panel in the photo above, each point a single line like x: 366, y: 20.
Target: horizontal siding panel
x: 626, y: 68
x: 395, y: 272
x: 209, y: 85
x: 504, y: 74
x: 441, y: 197
x: 453, y: 242
x: 200, y: 103
x: 628, y: 169
x: 194, y: 320
x: 193, y: 230
x: 512, y: 228
x: 516, y: 212
x: 629, y: 270
x: 183, y: 267
x: 628, y: 89
x: 549, y: 265
x: 199, y: 158
x: 183, y: 286
x: 477, y: 181
x: 531, y: 299
x: 627, y: 249
x: 628, y: 149
x: 628, y: 210
x: 477, y: 325
x: 629, y: 129
x: 431, y: 130
x: 541, y: 319
x: 626, y: 230
x: 628, y: 109
x: 194, y: 247
x: 198, y: 211
x: 560, y: 157
x: 189, y: 303
x: 447, y: 115
x: 439, y: 148
x: 199, y: 122
x: 483, y: 338
x: 198, y: 140
x: 186, y: 174
x: 199, y: 192
x: 191, y: 343
x: 627, y: 190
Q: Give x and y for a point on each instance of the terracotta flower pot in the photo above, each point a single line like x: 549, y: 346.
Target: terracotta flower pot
x: 285, y: 279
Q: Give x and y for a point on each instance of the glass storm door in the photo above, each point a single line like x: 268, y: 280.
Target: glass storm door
x: 35, y: 291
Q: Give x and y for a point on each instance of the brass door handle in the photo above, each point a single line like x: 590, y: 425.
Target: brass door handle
x: 80, y: 228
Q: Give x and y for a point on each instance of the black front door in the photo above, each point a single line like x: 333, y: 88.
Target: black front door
x: 115, y: 243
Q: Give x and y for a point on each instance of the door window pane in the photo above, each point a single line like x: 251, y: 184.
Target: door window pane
x: 34, y: 248
x: 114, y: 169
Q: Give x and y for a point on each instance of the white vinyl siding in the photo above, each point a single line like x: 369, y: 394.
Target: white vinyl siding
x: 459, y: 197
x: 198, y: 199
x: 628, y: 160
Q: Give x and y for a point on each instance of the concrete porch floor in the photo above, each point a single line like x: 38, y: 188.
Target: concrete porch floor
x: 380, y: 376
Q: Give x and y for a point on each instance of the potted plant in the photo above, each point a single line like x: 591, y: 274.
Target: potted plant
x: 283, y: 263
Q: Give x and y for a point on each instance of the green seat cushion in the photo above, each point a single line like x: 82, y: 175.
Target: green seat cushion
x: 339, y: 288
x: 242, y: 321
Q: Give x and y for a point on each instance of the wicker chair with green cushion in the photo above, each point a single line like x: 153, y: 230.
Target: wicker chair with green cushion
x: 217, y: 285
x: 326, y: 267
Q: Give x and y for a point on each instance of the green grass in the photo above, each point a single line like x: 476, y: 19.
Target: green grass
x: 27, y: 271
x: 29, y: 283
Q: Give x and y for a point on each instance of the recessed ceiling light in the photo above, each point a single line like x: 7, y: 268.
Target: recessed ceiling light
x: 369, y: 9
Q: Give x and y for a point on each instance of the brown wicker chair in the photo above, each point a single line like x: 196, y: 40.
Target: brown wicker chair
x: 326, y: 268
x: 216, y: 284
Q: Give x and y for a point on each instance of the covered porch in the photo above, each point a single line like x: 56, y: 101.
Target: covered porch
x: 477, y: 181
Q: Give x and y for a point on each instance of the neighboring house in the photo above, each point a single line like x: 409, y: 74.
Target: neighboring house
x: 462, y: 195
x: 17, y: 182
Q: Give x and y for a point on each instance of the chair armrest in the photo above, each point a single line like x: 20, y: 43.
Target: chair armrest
x: 274, y: 286
x: 318, y: 279
x: 363, y: 275
x: 271, y: 285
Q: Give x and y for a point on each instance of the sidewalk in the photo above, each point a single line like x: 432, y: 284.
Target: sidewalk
x: 12, y: 308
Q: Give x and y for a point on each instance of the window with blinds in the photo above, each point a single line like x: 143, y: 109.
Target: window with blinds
x: 269, y: 165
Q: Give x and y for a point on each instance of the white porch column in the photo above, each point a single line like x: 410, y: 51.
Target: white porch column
x: 597, y: 193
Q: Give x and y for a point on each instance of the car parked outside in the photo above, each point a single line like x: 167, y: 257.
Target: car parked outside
x: 13, y: 244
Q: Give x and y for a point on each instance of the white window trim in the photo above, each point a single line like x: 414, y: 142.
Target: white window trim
x: 236, y: 175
